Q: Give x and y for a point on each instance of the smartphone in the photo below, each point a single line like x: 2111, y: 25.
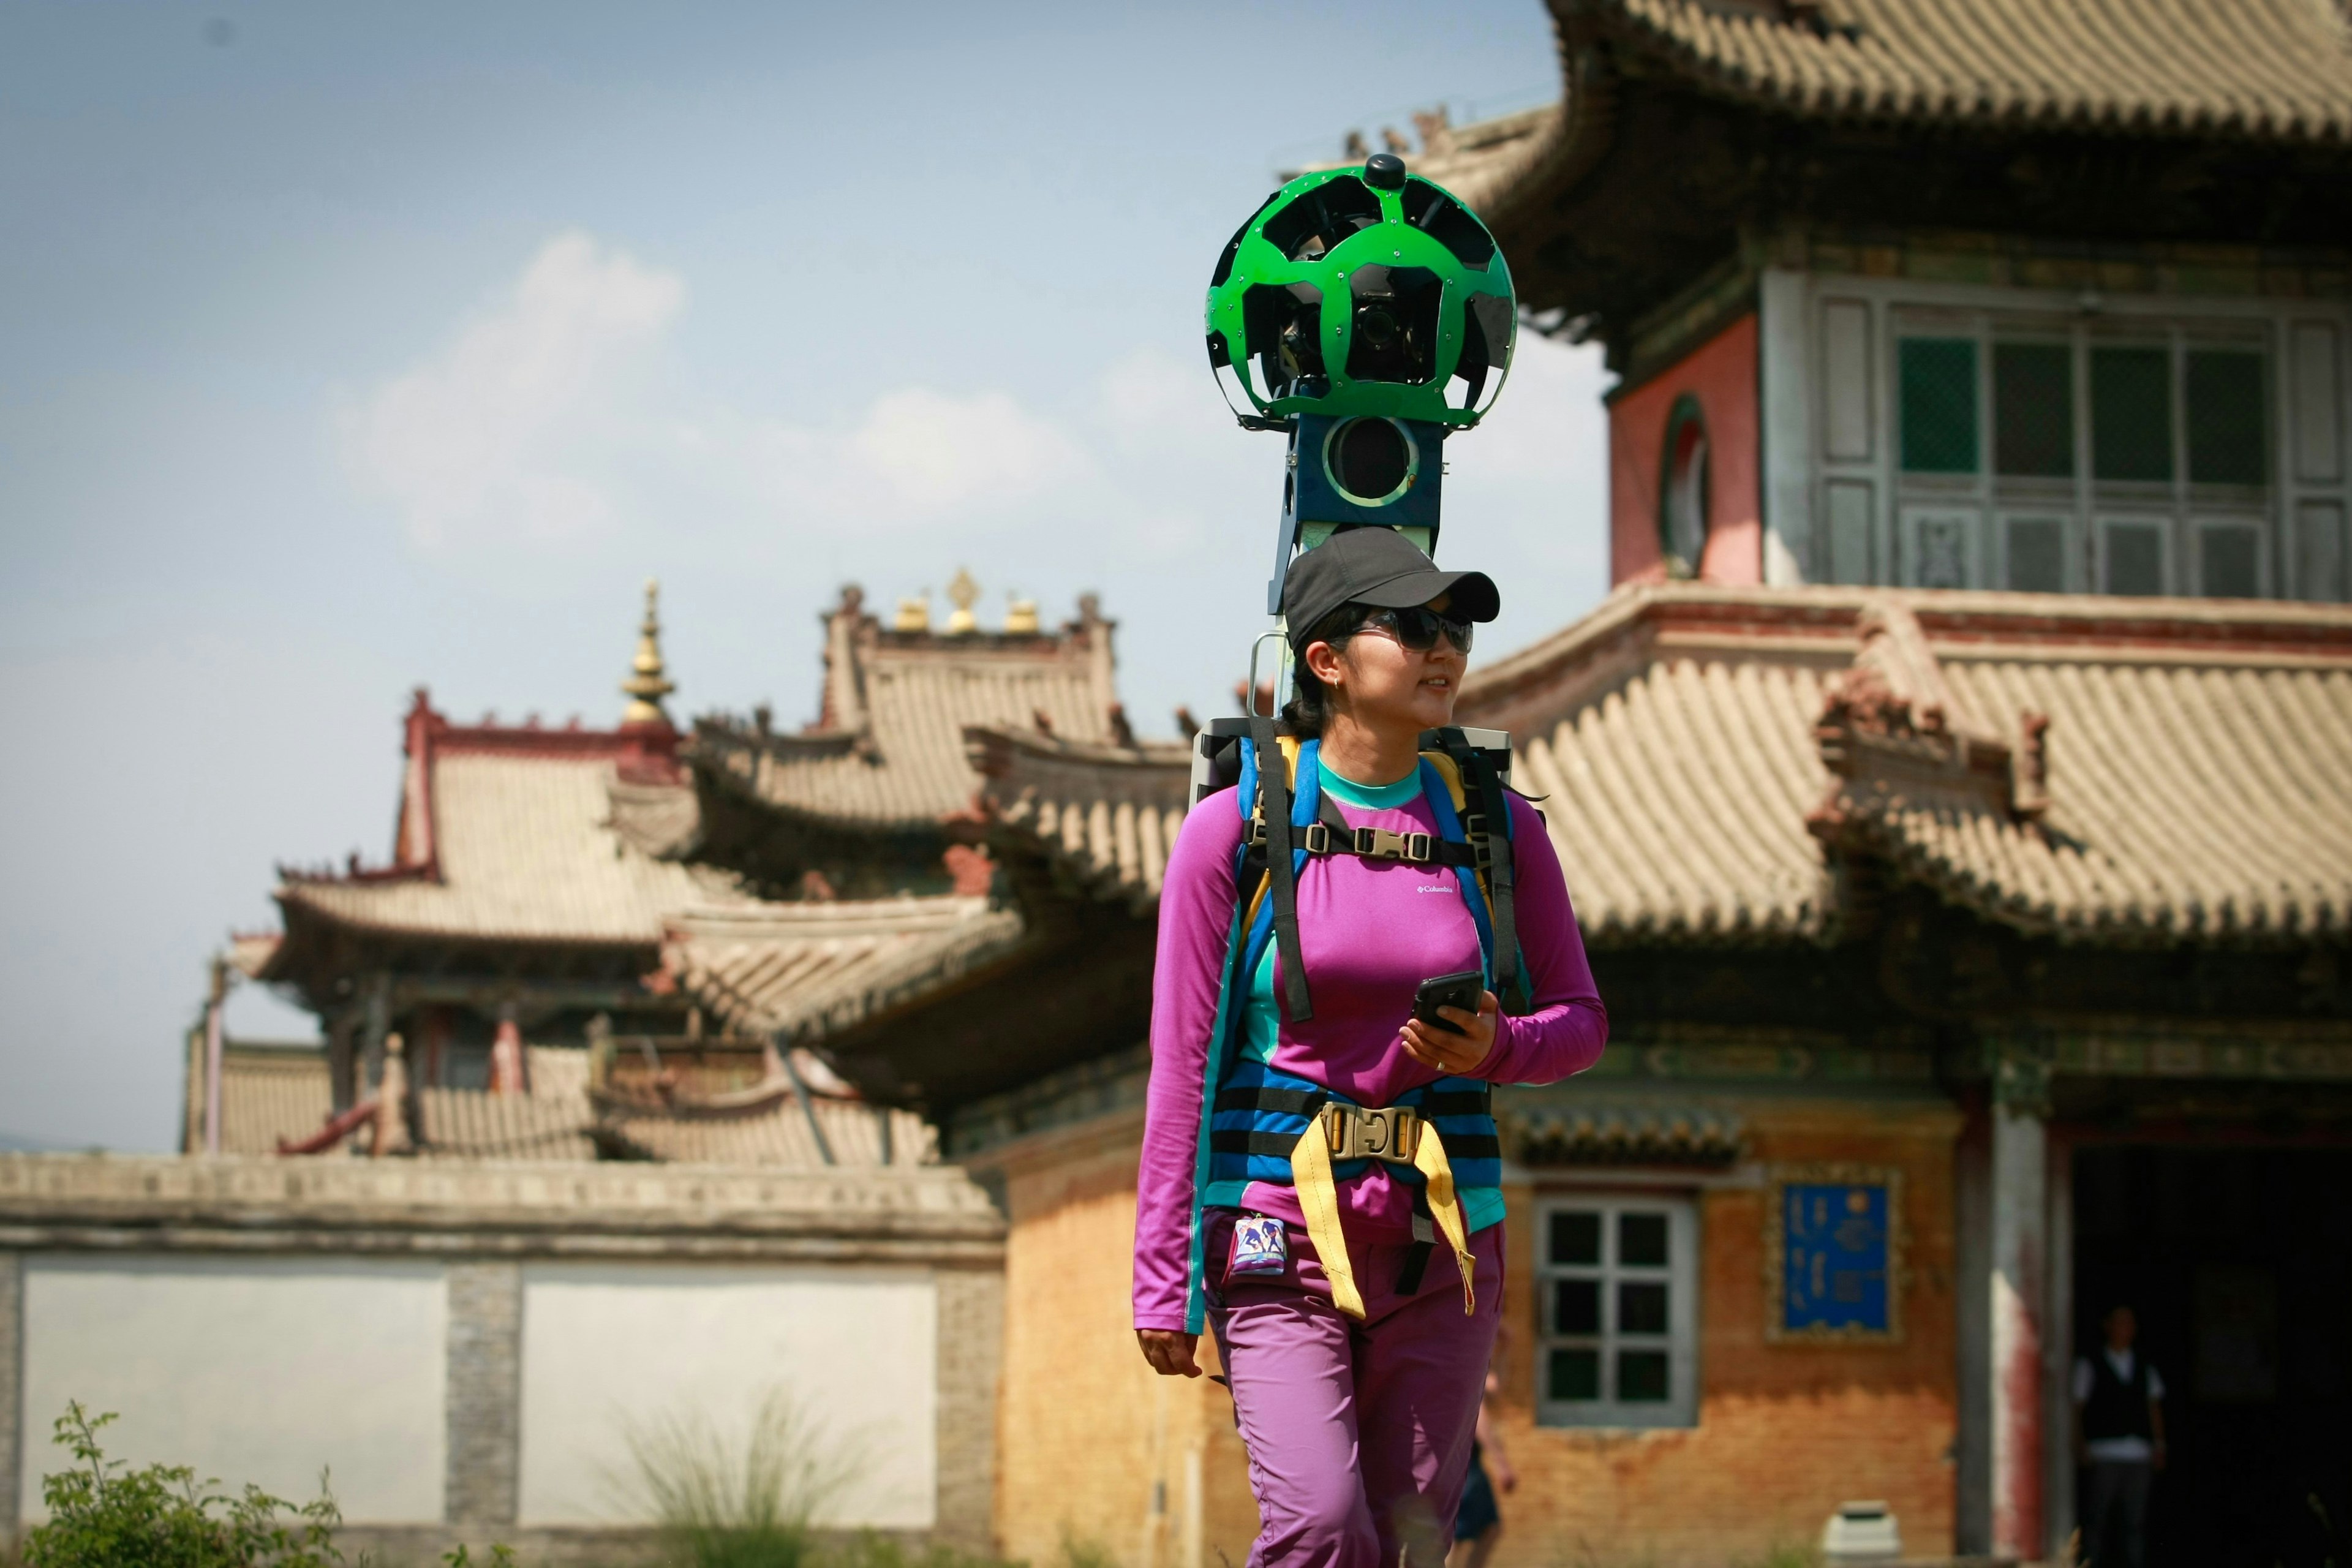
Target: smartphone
x: 1460, y: 991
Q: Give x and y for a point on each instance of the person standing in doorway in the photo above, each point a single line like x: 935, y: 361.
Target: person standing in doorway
x: 2119, y: 1436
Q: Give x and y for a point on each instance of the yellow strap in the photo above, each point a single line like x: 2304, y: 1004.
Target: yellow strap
x: 1318, y: 1201
x: 1429, y: 1159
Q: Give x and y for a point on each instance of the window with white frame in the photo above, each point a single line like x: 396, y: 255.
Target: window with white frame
x: 2054, y: 456
x: 1617, y: 1313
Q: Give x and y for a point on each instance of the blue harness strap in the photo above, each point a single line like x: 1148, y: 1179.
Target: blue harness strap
x: 1259, y: 1112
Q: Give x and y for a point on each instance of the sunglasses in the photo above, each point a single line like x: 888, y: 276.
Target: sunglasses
x: 1418, y: 629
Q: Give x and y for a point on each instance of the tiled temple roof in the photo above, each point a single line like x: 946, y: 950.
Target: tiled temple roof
x: 1702, y: 753
x: 517, y: 834
x: 886, y: 750
x: 1542, y: 1130
x: 276, y: 1096
x: 268, y: 1093
x: 810, y: 971
x: 1107, y: 815
x: 2273, y: 69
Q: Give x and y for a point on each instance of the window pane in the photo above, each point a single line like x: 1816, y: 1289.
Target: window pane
x: 2037, y: 554
x: 2226, y: 424
x: 2033, y: 410
x: 2135, y: 558
x: 2227, y: 566
x: 1575, y: 1375
x: 1643, y: 1377
x: 1642, y: 1239
x: 2131, y: 414
x: 1947, y: 545
x: 1640, y: 1307
x: 1576, y: 1237
x: 1938, y: 377
x: 1576, y: 1306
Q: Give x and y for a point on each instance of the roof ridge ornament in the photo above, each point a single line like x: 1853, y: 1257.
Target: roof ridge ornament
x: 963, y: 594
x: 649, y: 684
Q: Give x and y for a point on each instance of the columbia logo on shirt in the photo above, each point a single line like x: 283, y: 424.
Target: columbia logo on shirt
x: 1426, y: 888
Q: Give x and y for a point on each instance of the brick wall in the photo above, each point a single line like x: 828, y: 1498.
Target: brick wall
x: 1096, y: 1450
x: 485, y: 1362
x: 971, y: 1359
x: 1786, y: 1432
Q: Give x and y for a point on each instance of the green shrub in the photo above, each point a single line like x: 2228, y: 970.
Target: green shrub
x: 1786, y: 1555
x: 103, y: 1514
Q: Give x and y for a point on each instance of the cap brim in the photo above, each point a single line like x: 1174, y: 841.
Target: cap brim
x: 1474, y: 596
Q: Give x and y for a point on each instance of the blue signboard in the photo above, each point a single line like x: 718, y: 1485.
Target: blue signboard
x: 1834, y: 1258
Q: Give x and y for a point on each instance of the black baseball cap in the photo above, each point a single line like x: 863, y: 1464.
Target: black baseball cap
x: 1380, y: 567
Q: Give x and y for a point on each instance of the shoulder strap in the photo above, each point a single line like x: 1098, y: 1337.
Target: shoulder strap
x: 1282, y: 869
x: 1488, y: 823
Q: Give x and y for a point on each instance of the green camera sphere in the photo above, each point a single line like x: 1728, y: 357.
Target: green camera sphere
x: 1363, y: 291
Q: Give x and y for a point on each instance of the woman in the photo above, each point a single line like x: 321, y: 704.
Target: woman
x: 1356, y: 1379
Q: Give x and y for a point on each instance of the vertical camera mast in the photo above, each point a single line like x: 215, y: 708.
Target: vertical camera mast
x: 1366, y: 313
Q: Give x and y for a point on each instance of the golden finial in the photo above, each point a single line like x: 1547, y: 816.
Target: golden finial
x: 964, y: 592
x: 1021, y: 616
x: 648, y: 687
x: 914, y: 614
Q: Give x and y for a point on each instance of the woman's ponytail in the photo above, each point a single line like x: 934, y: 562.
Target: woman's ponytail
x: 1309, y: 707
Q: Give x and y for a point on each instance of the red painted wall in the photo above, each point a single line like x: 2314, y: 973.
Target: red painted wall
x: 1721, y: 372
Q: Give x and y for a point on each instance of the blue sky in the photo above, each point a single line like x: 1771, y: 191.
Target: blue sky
x: 345, y: 348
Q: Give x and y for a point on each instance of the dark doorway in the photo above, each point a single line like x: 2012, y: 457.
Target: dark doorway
x: 2239, y: 1264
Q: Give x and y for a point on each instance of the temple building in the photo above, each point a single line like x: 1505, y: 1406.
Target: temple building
x: 1974, y: 960
x: 1951, y: 293
x: 518, y: 980
x: 877, y: 799
x: 1963, y: 850
x: 862, y: 803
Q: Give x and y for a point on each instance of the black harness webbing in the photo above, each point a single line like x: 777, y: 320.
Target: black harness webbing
x: 1424, y: 1242
x: 1282, y: 875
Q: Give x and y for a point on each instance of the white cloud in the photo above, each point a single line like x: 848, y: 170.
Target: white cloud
x: 933, y: 452
x: 546, y: 429
x: 484, y: 441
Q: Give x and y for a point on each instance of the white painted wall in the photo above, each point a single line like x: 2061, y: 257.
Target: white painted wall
x: 605, y: 1345
x: 259, y: 1370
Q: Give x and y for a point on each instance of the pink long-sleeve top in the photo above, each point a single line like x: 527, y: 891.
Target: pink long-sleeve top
x: 1369, y: 932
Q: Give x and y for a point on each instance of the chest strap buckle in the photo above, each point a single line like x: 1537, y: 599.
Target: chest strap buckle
x: 1379, y: 844
x: 1389, y: 1134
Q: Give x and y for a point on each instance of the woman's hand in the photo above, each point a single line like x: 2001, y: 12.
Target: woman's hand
x: 1448, y: 1052
x: 1168, y: 1351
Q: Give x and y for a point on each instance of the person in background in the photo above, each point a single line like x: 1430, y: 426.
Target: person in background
x: 1478, y: 1523
x: 2119, y: 1435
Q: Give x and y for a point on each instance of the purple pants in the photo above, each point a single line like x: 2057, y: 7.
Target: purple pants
x: 1359, y: 1433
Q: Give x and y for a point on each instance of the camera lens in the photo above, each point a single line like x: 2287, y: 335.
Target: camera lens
x: 1375, y: 327
x: 1369, y: 459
